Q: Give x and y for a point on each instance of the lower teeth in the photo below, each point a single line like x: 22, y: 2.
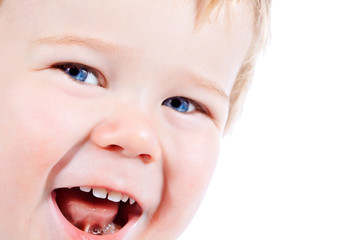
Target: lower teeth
x: 108, y: 229
x: 96, y: 231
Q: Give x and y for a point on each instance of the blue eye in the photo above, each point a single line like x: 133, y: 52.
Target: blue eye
x: 79, y: 73
x: 180, y: 104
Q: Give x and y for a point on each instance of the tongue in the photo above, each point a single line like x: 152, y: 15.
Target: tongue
x: 85, y: 211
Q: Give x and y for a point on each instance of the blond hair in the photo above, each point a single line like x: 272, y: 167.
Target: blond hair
x: 261, y: 13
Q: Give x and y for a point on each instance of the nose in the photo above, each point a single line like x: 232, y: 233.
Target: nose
x: 131, y: 135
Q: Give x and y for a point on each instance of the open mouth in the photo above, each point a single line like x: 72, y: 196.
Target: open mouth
x: 95, y: 210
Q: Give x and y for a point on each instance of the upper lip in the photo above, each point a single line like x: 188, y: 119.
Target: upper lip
x: 129, y: 185
x: 129, y: 176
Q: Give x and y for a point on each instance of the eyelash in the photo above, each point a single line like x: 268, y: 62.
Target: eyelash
x: 66, y: 66
x: 197, y: 107
x: 89, y: 71
x: 201, y: 108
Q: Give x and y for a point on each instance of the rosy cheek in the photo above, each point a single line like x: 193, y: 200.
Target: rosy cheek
x: 38, y: 128
x: 29, y: 138
x: 191, y: 154
x: 199, y: 164
x: 187, y: 169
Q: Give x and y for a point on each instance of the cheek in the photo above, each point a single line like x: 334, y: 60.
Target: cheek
x: 194, y: 163
x: 37, y: 129
x: 191, y: 154
x: 188, y: 167
x: 26, y: 153
x: 38, y: 126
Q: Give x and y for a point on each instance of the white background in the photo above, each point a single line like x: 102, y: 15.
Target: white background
x: 290, y: 169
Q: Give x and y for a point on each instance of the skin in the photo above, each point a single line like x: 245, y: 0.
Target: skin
x: 56, y: 132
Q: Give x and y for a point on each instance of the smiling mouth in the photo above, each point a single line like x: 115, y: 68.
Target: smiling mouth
x: 95, y: 211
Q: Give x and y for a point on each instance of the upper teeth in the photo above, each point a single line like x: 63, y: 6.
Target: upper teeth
x: 112, y: 196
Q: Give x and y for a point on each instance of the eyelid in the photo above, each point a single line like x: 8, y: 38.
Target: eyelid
x: 201, y: 108
x: 96, y: 72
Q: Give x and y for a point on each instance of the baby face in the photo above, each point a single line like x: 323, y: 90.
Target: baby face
x: 111, y: 113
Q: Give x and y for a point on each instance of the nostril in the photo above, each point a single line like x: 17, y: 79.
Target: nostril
x: 114, y: 147
x: 145, y: 157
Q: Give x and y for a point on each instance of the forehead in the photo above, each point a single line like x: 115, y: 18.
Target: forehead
x: 161, y: 31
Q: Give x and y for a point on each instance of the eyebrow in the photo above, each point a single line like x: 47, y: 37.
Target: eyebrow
x: 103, y: 46
x: 207, y: 84
x: 94, y: 43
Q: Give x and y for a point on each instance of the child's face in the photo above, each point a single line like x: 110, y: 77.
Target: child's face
x: 117, y: 95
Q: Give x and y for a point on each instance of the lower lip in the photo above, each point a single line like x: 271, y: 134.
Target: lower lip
x: 76, y: 233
